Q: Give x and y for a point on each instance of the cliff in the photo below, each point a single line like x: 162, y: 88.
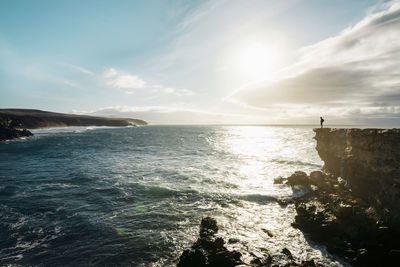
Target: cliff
x: 352, y: 204
x: 368, y: 160
x: 32, y: 119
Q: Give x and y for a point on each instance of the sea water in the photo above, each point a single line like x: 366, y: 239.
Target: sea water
x: 136, y: 195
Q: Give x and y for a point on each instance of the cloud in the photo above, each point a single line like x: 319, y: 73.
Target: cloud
x: 357, y: 70
x: 72, y: 84
x: 81, y: 69
x: 172, y: 90
x: 127, y: 81
x: 179, y: 92
x: 111, y: 72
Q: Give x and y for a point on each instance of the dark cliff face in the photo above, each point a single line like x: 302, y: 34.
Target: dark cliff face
x: 353, y: 206
x: 369, y: 160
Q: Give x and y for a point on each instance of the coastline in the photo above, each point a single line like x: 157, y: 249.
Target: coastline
x: 80, y: 127
x: 32, y: 119
x: 17, y: 123
x: 351, y: 205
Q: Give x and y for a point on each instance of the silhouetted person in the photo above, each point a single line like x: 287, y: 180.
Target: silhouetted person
x: 322, y: 122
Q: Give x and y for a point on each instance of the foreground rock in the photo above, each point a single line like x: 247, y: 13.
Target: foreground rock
x: 9, y: 130
x: 210, y: 250
x: 354, y: 207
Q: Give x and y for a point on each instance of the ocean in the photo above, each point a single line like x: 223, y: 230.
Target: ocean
x: 135, y: 196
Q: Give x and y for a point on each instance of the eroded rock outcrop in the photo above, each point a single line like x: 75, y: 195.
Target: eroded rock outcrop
x: 9, y: 129
x: 353, y: 206
x: 369, y: 161
x: 209, y: 250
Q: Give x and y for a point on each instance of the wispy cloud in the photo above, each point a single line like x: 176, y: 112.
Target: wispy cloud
x: 356, y: 70
x: 123, y: 80
x: 111, y: 72
x: 172, y: 90
x: 129, y: 81
x: 81, y: 69
x: 197, y: 14
x: 72, y: 84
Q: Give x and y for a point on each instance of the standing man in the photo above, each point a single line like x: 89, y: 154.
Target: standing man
x: 322, y: 122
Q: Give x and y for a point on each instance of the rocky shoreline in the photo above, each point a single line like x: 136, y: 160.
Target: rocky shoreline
x: 14, y: 122
x: 330, y: 214
x: 210, y: 250
x: 351, y: 206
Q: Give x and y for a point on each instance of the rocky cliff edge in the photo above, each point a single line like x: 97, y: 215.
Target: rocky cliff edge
x: 352, y: 205
x: 369, y: 161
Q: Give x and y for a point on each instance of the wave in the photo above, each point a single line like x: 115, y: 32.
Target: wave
x: 159, y: 191
x: 257, y: 198
x: 74, y: 129
x: 165, y: 192
x: 296, y: 162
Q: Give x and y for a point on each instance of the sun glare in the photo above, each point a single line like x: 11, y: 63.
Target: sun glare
x: 258, y: 60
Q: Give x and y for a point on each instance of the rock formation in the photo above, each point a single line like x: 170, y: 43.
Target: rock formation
x: 369, y: 161
x: 9, y: 129
x: 210, y: 250
x: 353, y: 207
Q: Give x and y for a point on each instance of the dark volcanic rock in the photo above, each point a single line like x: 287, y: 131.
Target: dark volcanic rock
x: 348, y: 226
x: 298, y: 178
x: 356, y: 215
x: 8, y: 129
x: 208, y: 227
x: 192, y: 258
x: 7, y: 133
x: 287, y: 253
x: 209, y: 250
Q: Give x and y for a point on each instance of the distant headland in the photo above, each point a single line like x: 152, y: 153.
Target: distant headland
x: 14, y: 122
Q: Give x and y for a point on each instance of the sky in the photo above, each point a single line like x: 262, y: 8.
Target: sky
x: 204, y: 62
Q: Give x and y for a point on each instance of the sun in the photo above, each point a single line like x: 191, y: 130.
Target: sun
x: 258, y: 60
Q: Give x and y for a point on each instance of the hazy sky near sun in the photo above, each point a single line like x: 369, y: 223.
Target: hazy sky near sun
x: 204, y: 61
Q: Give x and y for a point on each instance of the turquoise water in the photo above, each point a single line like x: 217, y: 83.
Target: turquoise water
x: 136, y: 195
